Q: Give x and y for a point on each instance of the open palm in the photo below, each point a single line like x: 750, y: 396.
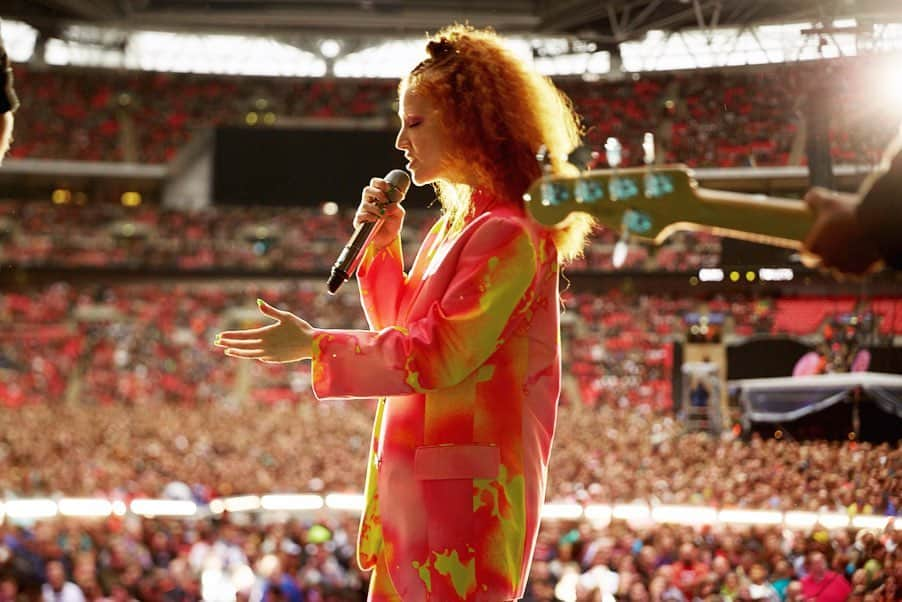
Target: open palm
x: 289, y: 339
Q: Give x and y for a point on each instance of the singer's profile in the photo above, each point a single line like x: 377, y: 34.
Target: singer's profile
x: 463, y: 348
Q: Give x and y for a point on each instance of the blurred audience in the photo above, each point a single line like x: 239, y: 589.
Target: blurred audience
x: 311, y: 558
x: 707, y: 118
x: 34, y: 234
x: 131, y: 369
x: 148, y: 409
x: 123, y: 396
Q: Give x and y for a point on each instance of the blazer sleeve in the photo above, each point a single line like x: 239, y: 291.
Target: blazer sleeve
x: 381, y: 280
x: 459, y: 332
x: 880, y: 212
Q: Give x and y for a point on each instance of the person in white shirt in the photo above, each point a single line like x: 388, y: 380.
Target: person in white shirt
x: 57, y: 589
x: 759, y: 588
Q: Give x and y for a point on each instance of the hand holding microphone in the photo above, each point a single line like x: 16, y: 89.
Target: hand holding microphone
x: 381, y: 202
x: 378, y: 221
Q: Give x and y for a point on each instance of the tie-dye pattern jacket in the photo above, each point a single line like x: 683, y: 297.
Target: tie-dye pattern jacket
x: 464, y: 351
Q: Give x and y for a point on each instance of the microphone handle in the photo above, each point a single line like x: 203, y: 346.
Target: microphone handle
x: 347, y: 262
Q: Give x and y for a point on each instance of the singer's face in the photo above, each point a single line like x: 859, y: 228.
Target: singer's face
x: 423, y: 139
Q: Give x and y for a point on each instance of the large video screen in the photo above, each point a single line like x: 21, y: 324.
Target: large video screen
x: 281, y: 166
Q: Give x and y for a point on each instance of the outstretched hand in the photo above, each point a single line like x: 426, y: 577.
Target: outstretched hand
x: 290, y: 339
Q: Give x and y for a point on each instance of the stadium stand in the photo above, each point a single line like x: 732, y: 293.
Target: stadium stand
x: 705, y: 119
x: 114, y: 392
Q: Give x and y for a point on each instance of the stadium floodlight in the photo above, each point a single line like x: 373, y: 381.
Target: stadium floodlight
x: 550, y: 56
x: 889, y: 84
x: 684, y: 515
x: 776, y: 274
x: 329, y: 48
x: 227, y: 54
x: 845, y: 23
x: 750, y: 517
x: 595, y: 63
x: 19, y: 40
x: 870, y: 522
x: 345, y: 501
x: 73, y: 506
x: 562, y: 511
x: 31, y: 508
x: 146, y: 507
x: 182, y: 53
x: 66, y: 52
x: 560, y: 56
x: 710, y: 274
x: 755, y: 45
x: 549, y: 46
x: 390, y: 60
x: 291, y: 502
x: 887, y: 36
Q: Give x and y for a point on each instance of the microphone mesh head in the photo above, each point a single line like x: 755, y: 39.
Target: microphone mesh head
x: 400, y: 181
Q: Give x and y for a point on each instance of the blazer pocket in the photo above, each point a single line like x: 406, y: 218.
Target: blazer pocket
x: 464, y: 461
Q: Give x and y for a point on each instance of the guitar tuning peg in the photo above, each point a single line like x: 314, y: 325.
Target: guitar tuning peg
x: 543, y: 156
x: 582, y: 157
x: 648, y: 148
x: 613, y: 152
x: 621, y: 250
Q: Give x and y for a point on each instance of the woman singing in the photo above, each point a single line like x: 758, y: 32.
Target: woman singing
x: 464, y: 348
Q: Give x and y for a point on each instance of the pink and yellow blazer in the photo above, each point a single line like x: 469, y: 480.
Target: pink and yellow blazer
x: 464, y: 351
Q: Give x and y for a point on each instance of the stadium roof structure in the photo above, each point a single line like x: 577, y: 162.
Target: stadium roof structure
x: 383, y: 38
x: 606, y: 22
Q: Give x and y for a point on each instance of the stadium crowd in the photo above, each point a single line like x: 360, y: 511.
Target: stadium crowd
x: 124, y: 398
x: 41, y: 234
x: 708, y: 118
x: 149, y: 343
x: 603, y: 455
x: 311, y: 559
x: 109, y: 362
x: 110, y: 115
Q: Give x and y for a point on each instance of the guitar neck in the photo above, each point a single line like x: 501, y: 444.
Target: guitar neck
x: 752, y: 217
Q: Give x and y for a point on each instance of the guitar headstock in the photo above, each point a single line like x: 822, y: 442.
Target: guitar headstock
x: 644, y: 202
x: 651, y: 202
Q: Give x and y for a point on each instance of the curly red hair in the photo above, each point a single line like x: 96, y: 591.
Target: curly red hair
x: 499, y: 112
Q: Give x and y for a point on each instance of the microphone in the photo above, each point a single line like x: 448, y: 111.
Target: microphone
x: 346, y: 264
